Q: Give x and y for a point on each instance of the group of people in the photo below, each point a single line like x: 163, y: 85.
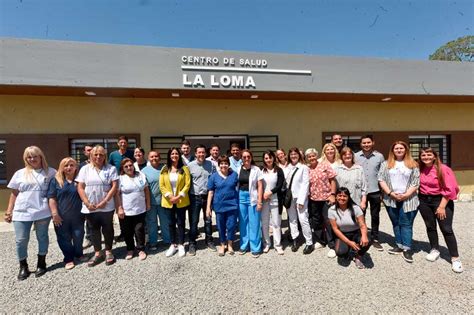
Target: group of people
x: 325, y: 197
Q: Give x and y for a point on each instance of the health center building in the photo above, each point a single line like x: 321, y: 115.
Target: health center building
x: 60, y: 95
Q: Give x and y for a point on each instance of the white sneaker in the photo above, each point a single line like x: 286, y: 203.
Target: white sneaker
x: 266, y: 249
x: 433, y: 255
x: 279, y: 250
x: 181, y: 251
x: 318, y: 245
x: 457, y: 266
x: 171, y: 251
x: 332, y: 253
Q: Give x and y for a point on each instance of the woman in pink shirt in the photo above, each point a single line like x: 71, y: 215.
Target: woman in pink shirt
x: 438, y: 189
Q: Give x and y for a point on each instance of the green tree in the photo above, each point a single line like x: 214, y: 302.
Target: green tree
x: 461, y: 49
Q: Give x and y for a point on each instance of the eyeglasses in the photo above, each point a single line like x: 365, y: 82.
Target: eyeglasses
x: 127, y: 166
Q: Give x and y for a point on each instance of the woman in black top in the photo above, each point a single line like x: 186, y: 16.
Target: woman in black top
x: 273, y: 179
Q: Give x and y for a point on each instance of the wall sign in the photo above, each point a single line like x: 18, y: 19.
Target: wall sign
x: 236, y: 72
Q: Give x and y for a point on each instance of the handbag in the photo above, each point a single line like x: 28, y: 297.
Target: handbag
x: 288, y: 195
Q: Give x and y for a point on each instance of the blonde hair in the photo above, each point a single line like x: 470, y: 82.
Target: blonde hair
x: 337, y: 156
x: 94, y: 150
x: 407, y: 159
x: 31, y: 151
x: 60, y: 173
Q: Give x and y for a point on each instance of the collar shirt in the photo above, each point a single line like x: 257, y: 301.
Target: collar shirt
x: 199, y: 175
x: 213, y: 161
x: 235, y: 164
x: 371, y: 165
x: 188, y: 159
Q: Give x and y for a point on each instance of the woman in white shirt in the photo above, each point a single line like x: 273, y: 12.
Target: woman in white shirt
x: 28, y: 205
x: 97, y: 185
x: 273, y: 179
x: 298, y: 178
x: 399, y: 178
x: 250, y: 205
x: 134, y: 201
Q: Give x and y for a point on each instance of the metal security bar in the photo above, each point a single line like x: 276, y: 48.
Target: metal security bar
x: 258, y: 144
x: 440, y: 143
x: 76, y: 146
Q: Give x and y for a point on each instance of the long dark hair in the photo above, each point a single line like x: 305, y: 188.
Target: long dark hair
x: 350, y: 202
x: 271, y: 154
x: 300, y: 156
x: 437, y: 164
x: 169, y: 163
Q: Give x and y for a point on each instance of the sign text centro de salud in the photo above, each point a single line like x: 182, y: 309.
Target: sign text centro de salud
x: 237, y: 71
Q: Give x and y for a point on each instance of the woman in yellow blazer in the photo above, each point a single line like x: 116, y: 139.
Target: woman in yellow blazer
x: 175, y: 182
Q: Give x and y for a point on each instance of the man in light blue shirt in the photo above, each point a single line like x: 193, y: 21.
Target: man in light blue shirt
x: 200, y: 170
x: 152, y: 173
x: 236, y: 158
x: 370, y: 160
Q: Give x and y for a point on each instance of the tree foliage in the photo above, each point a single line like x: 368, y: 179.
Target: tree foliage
x: 461, y: 49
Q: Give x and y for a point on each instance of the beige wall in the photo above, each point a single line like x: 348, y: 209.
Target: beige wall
x: 297, y: 123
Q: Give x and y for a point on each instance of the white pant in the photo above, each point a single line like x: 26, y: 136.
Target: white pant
x: 270, y: 210
x: 302, y: 215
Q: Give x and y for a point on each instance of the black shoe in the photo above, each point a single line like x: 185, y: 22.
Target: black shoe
x: 211, y: 246
x: 119, y: 238
x: 41, y: 267
x: 294, y: 246
x: 24, y: 271
x: 308, y: 249
x: 192, y: 250
x: 395, y: 251
x: 377, y: 246
x: 408, y: 256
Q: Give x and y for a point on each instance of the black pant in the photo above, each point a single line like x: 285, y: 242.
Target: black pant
x: 427, y: 207
x: 198, y: 203
x: 343, y: 250
x: 101, y: 222
x: 330, y: 237
x: 316, y: 210
x: 134, y: 226
x: 373, y: 199
x: 177, y: 216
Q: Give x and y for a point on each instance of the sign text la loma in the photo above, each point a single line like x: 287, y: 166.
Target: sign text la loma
x: 200, y: 63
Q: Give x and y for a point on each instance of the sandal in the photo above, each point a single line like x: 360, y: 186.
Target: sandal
x: 129, y: 255
x: 70, y: 265
x: 142, y: 255
x: 221, y: 250
x: 95, y: 260
x: 109, y: 259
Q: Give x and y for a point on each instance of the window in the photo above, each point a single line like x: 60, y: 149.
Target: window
x: 440, y: 143
x: 3, y: 162
x: 76, y: 148
x: 352, y: 142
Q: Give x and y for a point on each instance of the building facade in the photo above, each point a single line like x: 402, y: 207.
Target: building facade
x: 61, y: 95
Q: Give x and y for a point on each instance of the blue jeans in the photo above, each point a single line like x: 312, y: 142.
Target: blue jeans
x: 226, y: 225
x: 152, y: 224
x: 249, y: 224
x: 70, y: 235
x: 22, y: 236
x: 402, y: 225
x: 198, y: 202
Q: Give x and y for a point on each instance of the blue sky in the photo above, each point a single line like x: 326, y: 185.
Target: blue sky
x: 388, y: 29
